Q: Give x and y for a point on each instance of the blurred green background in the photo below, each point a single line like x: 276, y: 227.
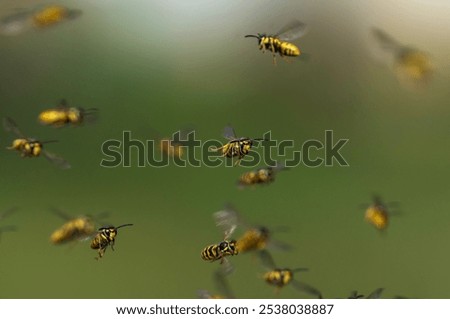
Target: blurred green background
x: 166, y: 65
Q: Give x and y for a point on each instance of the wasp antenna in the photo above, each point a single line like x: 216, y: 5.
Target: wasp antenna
x: 251, y: 36
x: 124, y: 225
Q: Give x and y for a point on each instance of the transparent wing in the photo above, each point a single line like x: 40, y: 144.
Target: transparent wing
x: 227, y: 220
x: 221, y: 282
x: 278, y: 245
x: 60, y: 213
x: 10, y: 126
x: 301, y: 286
x: 228, y: 133
x: 376, y: 294
x: 56, y: 160
x: 291, y: 31
x: 266, y: 259
x: 354, y: 295
x: 385, y: 41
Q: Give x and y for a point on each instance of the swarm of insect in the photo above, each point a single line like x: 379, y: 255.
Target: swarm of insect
x: 412, y: 67
x: 29, y: 147
x: 378, y: 213
x: 75, y: 228
x: 236, y: 147
x: 265, y: 175
x: 64, y: 115
x: 279, y: 43
x: 106, y: 236
x: 376, y: 294
x: 255, y: 238
x: 52, y: 15
x: 280, y: 277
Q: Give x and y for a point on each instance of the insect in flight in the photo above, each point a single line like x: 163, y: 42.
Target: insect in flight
x: 378, y: 213
x: 265, y: 175
x: 106, y: 236
x: 236, y: 147
x: 280, y: 277
x: 75, y: 228
x: 280, y: 42
x: 64, y: 115
x: 174, y: 146
x: 412, y: 67
x: 255, y: 238
x: 223, y: 249
x: 53, y: 14
x: 29, y: 147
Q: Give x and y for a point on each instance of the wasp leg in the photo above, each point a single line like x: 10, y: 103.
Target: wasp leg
x: 237, y: 162
x: 272, y: 48
x: 262, y: 47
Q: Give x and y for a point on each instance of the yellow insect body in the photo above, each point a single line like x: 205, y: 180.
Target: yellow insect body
x: 253, y: 239
x: 26, y: 148
x: 414, y: 65
x: 219, y: 251
x: 105, y: 237
x: 377, y: 215
x: 278, y: 277
x: 52, y: 15
x: 75, y: 229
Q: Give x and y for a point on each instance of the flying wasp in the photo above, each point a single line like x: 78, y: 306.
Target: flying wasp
x: 412, y: 67
x: 174, y: 146
x: 29, y: 147
x: 75, y: 228
x: 255, y: 238
x: 53, y: 14
x: 265, y: 175
x: 280, y: 277
x: 378, y: 213
x: 236, y: 147
x: 64, y: 115
x: 224, y: 248
x: 106, y: 236
x: 279, y: 43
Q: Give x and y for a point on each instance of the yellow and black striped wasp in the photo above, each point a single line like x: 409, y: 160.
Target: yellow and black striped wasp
x: 254, y: 238
x: 29, y: 147
x: 412, y: 67
x: 223, y: 249
x: 265, y: 175
x: 106, y: 236
x: 64, y: 115
x: 75, y: 228
x: 236, y: 147
x: 4, y: 214
x: 280, y: 42
x: 378, y: 214
x: 280, y: 277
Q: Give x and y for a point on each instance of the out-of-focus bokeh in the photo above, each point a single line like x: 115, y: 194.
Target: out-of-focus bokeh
x: 164, y: 65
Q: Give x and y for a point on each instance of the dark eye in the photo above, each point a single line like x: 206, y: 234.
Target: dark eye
x: 223, y: 245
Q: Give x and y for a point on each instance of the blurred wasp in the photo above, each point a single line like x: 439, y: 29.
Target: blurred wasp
x: 264, y: 175
x: 222, y: 286
x: 378, y: 214
x: 280, y: 277
x: 278, y: 43
x: 106, y: 236
x: 3, y: 215
x: 53, y: 14
x: 376, y: 294
x: 28, y: 147
x: 236, y: 146
x: 174, y: 146
x: 255, y: 238
x: 224, y: 248
x: 16, y: 23
x: 77, y: 228
x: 64, y: 115
x: 411, y: 66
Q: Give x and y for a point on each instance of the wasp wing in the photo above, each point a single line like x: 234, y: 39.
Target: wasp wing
x: 222, y: 283
x: 56, y: 160
x: 10, y: 126
x: 354, y: 295
x: 301, y: 286
x: 385, y: 41
x: 376, y: 294
x: 228, y: 133
x: 227, y: 220
x: 291, y: 31
x: 266, y: 259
